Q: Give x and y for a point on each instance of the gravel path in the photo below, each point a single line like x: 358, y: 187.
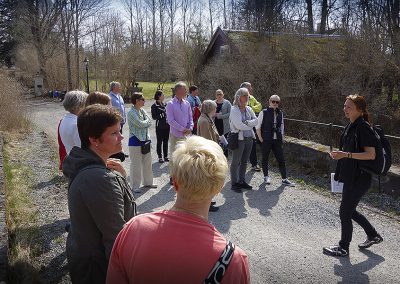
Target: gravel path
x: 282, y: 229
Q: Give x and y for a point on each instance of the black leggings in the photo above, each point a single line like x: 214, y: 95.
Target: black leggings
x: 352, y: 193
x: 162, y: 141
x: 277, y: 148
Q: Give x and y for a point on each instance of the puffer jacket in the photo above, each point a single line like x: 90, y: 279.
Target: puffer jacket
x: 100, y: 202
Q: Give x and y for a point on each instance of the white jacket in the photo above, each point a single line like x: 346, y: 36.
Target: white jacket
x: 236, y: 124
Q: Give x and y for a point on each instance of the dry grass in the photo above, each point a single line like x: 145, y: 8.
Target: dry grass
x: 20, y: 217
x: 14, y: 116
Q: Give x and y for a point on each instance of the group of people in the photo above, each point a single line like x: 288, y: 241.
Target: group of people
x: 108, y: 241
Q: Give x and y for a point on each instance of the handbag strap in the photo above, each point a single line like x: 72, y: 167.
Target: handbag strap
x: 219, y: 269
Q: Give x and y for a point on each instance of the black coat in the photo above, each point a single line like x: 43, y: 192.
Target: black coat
x: 158, y: 113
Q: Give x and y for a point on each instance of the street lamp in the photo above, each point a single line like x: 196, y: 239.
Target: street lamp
x: 86, y: 61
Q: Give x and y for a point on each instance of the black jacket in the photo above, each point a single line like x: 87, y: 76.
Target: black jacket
x: 347, y: 170
x: 158, y: 113
x: 267, y: 127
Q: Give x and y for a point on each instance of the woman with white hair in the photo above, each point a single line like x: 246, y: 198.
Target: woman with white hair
x: 190, y: 246
x: 270, y: 132
x: 73, y: 102
x: 242, y: 120
x: 206, y: 129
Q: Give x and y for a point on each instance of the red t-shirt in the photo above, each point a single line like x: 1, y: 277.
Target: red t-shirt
x: 62, y: 153
x: 171, y: 247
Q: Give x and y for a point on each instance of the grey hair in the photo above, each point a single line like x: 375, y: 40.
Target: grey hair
x: 275, y: 97
x: 238, y: 94
x: 74, y: 101
x: 208, y: 106
x: 179, y: 85
x: 113, y: 84
x: 245, y: 85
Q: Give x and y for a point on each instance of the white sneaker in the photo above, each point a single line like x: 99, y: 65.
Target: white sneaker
x: 267, y: 180
x: 288, y: 182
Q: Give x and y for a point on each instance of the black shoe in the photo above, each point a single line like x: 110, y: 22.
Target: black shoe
x: 369, y: 242
x: 213, y: 202
x: 170, y: 181
x: 160, y: 160
x: 166, y: 159
x: 245, y: 185
x: 335, y: 251
x: 236, y: 187
x: 126, y: 155
x: 213, y: 208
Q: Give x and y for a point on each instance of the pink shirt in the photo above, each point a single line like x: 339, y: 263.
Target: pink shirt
x: 171, y: 247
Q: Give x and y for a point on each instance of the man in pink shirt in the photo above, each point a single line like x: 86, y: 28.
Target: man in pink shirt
x: 179, y: 245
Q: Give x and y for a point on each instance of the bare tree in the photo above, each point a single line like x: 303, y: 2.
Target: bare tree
x: 43, y: 19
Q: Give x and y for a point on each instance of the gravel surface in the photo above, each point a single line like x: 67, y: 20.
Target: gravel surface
x: 281, y: 229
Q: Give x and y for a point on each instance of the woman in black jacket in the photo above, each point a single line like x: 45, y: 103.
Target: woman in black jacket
x: 357, y: 144
x: 162, y: 127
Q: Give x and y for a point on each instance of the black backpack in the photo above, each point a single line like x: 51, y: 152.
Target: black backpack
x: 383, y: 153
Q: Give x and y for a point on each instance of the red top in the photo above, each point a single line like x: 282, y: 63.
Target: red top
x: 171, y: 247
x: 61, y: 148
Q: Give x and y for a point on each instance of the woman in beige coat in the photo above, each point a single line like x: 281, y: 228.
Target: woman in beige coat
x: 206, y: 129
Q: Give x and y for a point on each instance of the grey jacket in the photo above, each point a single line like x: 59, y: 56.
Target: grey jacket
x: 100, y: 202
x: 225, y: 111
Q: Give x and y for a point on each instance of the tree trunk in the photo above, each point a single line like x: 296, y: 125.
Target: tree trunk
x: 310, y: 20
x: 211, y: 16
x: 324, y: 16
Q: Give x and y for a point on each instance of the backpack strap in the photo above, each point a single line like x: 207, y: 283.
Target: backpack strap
x: 219, y: 269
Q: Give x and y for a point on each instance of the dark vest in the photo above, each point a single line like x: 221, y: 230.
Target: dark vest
x: 267, y: 126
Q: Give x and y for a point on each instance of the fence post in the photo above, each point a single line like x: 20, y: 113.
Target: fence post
x: 331, y: 136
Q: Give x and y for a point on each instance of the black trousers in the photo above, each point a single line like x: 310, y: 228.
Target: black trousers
x: 277, y: 148
x: 253, y: 154
x: 162, y: 142
x: 352, y: 193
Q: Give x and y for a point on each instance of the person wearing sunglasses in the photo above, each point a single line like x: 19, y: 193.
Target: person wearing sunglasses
x: 139, y: 123
x: 270, y: 132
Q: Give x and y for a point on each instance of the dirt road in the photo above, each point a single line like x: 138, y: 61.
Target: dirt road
x: 282, y: 229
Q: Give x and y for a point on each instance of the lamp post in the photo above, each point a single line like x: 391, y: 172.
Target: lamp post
x: 86, y: 61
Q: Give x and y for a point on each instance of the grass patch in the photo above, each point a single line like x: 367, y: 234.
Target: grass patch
x: 149, y: 88
x: 21, y: 217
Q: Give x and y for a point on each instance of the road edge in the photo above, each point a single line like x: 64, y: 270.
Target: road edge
x: 3, y: 224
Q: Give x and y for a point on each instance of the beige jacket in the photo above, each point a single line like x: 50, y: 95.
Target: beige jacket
x: 206, y: 128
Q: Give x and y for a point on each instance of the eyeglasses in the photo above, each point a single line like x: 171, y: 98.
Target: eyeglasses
x: 275, y: 102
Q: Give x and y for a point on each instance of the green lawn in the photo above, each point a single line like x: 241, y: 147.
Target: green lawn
x: 149, y: 88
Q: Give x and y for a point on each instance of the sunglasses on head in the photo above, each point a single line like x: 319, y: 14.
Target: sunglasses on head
x: 275, y: 102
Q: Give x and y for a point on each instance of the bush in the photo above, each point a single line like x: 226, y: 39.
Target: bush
x: 14, y: 115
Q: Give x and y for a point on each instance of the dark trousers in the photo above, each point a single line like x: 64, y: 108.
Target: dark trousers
x: 352, y: 193
x: 162, y: 141
x: 253, y: 154
x: 277, y: 148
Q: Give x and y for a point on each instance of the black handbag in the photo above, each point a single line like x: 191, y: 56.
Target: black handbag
x: 145, y: 148
x: 233, y: 140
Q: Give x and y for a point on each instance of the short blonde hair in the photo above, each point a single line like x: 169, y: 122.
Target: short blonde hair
x: 208, y: 106
x: 199, y: 167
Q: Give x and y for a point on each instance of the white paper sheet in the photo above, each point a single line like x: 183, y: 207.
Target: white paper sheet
x: 336, y: 187
x: 223, y: 140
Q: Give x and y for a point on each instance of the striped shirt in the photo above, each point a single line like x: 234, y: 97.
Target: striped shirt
x: 139, y: 123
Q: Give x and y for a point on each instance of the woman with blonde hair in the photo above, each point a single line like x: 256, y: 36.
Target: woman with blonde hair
x: 198, y: 170
x: 242, y: 120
